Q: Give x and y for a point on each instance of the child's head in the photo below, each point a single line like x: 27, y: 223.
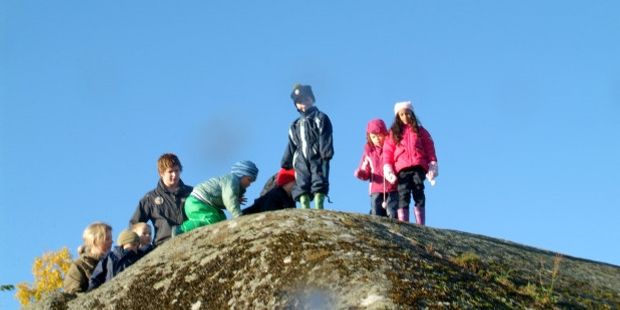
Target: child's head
x: 404, y: 112
x: 286, y: 179
x: 404, y: 115
x: 246, y: 171
x: 376, y: 132
x: 97, y: 239
x: 169, y: 168
x: 143, y: 230
x: 302, y: 97
x: 128, y: 240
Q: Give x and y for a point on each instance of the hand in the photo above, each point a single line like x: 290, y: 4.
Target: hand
x: 434, y: 166
x: 433, y: 169
x: 361, y: 174
x: 242, y: 200
x: 388, y: 174
x: 433, y: 172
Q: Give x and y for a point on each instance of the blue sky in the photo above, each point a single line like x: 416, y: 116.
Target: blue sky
x: 522, y: 99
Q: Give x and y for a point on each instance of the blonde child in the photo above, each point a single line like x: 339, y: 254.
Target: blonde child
x: 143, y: 230
x: 383, y: 195
x: 97, y: 239
x: 409, y: 158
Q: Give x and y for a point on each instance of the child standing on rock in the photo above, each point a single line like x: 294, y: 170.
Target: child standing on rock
x: 309, y: 150
x: 409, y: 157
x: 383, y: 194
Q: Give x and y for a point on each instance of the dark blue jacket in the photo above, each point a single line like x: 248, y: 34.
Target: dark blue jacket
x: 310, y: 138
x: 110, y: 265
x: 310, y: 148
x: 163, y: 208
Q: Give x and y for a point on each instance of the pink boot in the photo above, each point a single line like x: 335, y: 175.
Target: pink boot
x: 420, y: 215
x: 403, y: 215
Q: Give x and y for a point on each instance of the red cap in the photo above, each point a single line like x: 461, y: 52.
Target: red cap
x: 285, y: 176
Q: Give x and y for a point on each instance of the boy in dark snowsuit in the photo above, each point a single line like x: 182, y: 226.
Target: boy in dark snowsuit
x: 309, y: 150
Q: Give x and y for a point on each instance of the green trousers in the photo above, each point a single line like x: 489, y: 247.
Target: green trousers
x: 200, y: 214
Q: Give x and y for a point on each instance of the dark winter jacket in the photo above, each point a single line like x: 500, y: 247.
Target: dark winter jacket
x: 145, y: 250
x: 275, y: 199
x: 110, y: 265
x: 310, y: 138
x: 163, y: 208
x: 78, y: 275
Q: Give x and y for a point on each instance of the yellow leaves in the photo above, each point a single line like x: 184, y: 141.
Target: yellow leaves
x: 48, y: 271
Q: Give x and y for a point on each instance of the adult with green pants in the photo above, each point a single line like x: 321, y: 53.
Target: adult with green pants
x: 206, y: 203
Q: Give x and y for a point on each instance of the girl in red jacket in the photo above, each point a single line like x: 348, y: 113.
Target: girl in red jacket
x: 383, y: 195
x: 409, y: 158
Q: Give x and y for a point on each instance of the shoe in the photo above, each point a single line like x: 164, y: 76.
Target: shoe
x: 319, y: 199
x: 304, y: 201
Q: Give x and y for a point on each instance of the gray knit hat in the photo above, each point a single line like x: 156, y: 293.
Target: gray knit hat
x: 245, y: 168
x: 301, y: 92
x: 127, y: 237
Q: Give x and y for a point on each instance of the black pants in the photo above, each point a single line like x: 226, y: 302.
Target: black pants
x: 376, y: 201
x: 411, y: 182
x: 311, y: 177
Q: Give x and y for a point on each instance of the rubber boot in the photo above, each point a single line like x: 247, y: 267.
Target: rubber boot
x: 319, y: 199
x: 403, y: 215
x: 304, y: 201
x: 420, y: 215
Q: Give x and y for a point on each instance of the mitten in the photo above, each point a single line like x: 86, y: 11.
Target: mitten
x: 433, y: 172
x: 388, y: 174
x: 361, y: 174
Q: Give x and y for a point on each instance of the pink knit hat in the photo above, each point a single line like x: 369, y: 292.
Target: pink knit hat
x: 376, y: 126
x: 402, y: 105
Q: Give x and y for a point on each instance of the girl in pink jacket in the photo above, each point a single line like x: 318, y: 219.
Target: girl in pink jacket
x: 383, y: 195
x: 409, y: 158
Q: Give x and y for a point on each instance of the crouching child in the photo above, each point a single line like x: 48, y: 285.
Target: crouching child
x: 206, y: 204
x: 277, y: 198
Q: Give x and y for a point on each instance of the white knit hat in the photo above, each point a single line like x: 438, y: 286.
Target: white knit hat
x: 402, y: 105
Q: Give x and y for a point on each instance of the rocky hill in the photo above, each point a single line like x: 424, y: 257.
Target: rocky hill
x: 310, y: 259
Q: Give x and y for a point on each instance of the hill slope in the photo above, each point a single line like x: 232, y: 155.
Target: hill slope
x: 331, y: 260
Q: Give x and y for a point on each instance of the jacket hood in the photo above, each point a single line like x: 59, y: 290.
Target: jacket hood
x: 376, y: 126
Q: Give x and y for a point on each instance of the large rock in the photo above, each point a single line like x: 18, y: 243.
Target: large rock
x: 311, y: 259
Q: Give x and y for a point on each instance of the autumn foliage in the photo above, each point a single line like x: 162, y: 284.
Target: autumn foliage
x: 48, y: 271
